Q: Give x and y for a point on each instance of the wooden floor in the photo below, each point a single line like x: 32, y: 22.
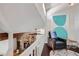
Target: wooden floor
x: 47, y: 49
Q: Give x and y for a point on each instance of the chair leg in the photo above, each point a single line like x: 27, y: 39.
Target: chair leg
x: 53, y: 49
x: 66, y: 48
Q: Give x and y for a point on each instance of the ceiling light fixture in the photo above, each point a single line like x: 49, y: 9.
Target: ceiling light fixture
x: 71, y: 4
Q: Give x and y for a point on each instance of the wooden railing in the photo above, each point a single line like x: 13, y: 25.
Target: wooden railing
x: 3, y: 36
x: 32, y: 49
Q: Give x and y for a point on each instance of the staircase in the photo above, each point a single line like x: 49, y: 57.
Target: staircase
x: 35, y: 49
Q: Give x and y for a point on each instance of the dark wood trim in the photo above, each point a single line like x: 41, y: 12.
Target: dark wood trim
x: 17, y: 35
x: 3, y: 36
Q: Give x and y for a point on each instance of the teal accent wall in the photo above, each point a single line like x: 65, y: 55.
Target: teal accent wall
x: 61, y: 32
x: 59, y: 20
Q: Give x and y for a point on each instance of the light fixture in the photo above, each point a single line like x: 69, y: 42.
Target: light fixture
x: 71, y: 4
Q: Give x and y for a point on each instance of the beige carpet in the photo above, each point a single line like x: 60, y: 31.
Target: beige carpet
x: 63, y: 53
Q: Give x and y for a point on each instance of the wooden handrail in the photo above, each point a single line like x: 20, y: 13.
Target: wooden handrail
x: 30, y: 49
x: 3, y: 36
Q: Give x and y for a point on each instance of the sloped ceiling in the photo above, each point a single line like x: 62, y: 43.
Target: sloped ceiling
x: 51, y: 5
x: 41, y: 11
x: 20, y: 17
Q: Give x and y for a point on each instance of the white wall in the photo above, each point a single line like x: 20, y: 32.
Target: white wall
x: 75, y: 16
x: 3, y: 47
x: 1, y: 30
x: 21, y: 17
x: 72, y: 25
x: 51, y: 23
x: 73, y: 13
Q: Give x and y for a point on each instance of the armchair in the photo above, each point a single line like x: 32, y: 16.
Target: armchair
x: 59, y: 43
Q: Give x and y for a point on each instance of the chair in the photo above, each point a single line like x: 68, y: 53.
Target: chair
x: 59, y: 43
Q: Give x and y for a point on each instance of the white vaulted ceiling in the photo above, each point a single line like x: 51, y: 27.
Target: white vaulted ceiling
x: 19, y: 17
x: 24, y: 17
x: 51, y: 5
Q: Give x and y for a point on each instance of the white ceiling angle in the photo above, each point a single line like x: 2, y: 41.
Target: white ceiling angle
x: 19, y: 17
x: 57, y: 8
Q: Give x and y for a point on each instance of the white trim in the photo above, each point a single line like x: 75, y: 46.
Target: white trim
x: 11, y: 47
x: 55, y: 9
x: 44, y: 9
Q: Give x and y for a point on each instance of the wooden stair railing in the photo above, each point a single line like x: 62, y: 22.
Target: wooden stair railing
x: 32, y: 48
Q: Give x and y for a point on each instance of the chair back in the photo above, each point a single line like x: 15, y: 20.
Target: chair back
x: 53, y: 35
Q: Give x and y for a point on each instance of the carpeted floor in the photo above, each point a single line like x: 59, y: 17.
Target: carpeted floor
x: 63, y: 53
